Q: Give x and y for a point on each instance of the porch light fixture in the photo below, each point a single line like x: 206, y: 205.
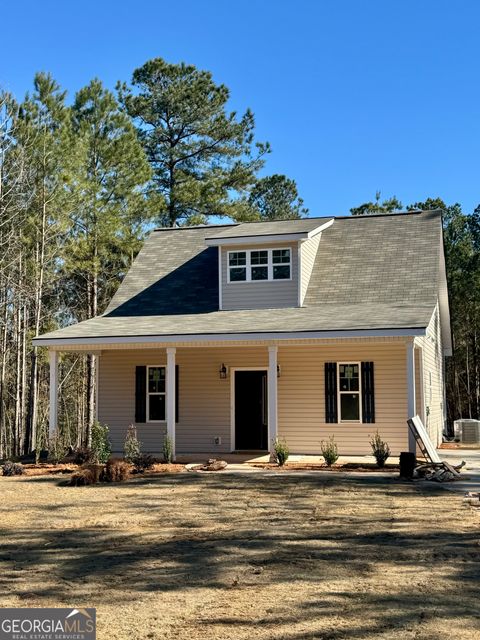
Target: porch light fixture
x: 279, y: 371
x: 222, y: 372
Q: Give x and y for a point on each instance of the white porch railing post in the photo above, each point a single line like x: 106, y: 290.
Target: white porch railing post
x: 411, y: 400
x: 272, y: 396
x: 53, y: 411
x: 171, y: 396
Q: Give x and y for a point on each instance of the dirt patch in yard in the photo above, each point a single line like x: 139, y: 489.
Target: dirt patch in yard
x: 237, y: 556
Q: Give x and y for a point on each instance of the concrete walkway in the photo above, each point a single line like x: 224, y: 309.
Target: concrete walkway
x: 470, y: 473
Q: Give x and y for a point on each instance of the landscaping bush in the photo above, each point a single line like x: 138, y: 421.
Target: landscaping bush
x: 101, y: 448
x: 167, y: 450
x: 142, y: 462
x: 12, y: 469
x: 116, y: 470
x: 329, y: 451
x: 97, y: 470
x: 82, y: 478
x: 132, y: 446
x: 380, y: 449
x: 82, y: 455
x: 280, y: 451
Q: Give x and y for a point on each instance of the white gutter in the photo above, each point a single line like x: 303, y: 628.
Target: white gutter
x: 231, y: 337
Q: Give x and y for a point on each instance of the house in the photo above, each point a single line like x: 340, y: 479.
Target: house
x: 228, y: 336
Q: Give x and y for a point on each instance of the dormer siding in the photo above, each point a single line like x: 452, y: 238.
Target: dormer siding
x: 263, y: 294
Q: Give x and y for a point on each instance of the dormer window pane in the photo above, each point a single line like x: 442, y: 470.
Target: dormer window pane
x: 260, y: 273
x: 238, y: 274
x: 281, y: 272
x: 259, y: 257
x: 281, y: 256
x: 238, y: 258
x: 281, y: 264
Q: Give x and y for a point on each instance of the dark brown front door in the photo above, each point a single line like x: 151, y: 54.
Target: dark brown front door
x: 251, y: 431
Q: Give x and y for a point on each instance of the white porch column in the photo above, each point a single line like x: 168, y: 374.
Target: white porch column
x: 53, y: 413
x: 171, y: 396
x: 272, y: 396
x: 411, y: 400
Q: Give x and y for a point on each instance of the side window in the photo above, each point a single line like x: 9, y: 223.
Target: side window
x: 281, y: 264
x: 349, y: 392
x: 237, y: 265
x: 259, y: 265
x: 156, y: 391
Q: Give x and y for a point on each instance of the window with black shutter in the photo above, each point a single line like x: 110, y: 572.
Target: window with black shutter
x: 349, y: 392
x: 151, y: 394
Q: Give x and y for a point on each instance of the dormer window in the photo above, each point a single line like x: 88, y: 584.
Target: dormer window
x: 254, y: 265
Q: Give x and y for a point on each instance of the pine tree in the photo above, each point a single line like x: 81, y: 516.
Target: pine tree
x: 276, y: 198
x: 110, y: 208
x: 204, y: 158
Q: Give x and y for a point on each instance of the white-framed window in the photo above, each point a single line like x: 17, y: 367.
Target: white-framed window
x: 349, y: 385
x: 156, y: 393
x: 257, y: 265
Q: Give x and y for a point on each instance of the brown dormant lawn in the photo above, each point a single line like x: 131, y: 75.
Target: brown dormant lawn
x: 230, y: 556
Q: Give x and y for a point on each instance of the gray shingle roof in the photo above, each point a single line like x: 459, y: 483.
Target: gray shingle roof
x: 370, y: 272
x: 275, y: 227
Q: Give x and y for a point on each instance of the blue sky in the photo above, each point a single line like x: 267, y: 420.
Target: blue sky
x: 354, y: 96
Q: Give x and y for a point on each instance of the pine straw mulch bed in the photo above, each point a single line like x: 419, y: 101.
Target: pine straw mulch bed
x: 43, y: 469
x: 319, y: 466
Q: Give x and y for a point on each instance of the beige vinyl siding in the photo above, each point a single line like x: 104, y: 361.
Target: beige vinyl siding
x: 262, y: 294
x: 433, y: 378
x: 308, y: 253
x: 205, y: 402
x: 301, y: 398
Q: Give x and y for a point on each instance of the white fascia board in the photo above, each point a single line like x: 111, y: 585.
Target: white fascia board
x: 230, y: 337
x: 317, y: 230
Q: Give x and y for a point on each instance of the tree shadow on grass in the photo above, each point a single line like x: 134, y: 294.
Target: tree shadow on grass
x: 303, y: 533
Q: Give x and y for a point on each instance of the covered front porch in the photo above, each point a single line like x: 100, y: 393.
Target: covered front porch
x: 190, y: 392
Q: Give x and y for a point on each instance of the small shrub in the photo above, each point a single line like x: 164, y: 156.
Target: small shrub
x: 280, y: 451
x: 101, y: 448
x: 142, y: 462
x: 167, y: 450
x: 116, y: 470
x: 380, y: 450
x: 132, y: 447
x: 82, y: 478
x: 12, y: 469
x: 82, y: 455
x: 329, y: 451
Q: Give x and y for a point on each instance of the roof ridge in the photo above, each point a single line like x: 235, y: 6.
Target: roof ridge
x: 365, y: 216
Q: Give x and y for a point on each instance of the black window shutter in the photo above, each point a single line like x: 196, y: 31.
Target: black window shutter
x: 331, y: 409
x: 141, y: 394
x: 368, y: 393
x: 176, y: 393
